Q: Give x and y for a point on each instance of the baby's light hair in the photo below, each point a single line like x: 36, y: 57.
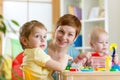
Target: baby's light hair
x: 94, y: 35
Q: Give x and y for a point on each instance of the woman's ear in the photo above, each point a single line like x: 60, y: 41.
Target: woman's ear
x: 23, y: 41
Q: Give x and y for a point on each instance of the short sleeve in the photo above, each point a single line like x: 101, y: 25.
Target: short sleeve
x: 40, y: 57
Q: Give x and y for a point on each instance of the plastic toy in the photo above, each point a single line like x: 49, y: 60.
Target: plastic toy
x: 100, y: 69
x: 113, y: 69
x: 108, y: 63
x: 67, y: 68
x: 113, y: 48
x: 87, y: 69
x: 74, y: 69
x: 115, y: 66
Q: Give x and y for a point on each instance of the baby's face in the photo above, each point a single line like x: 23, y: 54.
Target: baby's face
x: 37, y: 38
x: 101, y: 45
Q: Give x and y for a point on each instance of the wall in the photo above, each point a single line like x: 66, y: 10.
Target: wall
x: 23, y: 11
x: 114, y: 22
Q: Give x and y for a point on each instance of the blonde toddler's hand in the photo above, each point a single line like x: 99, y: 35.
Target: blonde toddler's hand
x: 70, y: 58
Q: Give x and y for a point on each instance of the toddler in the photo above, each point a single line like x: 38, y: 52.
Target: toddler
x: 37, y: 65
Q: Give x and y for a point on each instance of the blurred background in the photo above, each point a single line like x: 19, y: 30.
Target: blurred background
x: 92, y: 13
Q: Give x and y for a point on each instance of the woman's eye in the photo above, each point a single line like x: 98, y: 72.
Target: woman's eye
x: 61, y: 31
x: 70, y: 34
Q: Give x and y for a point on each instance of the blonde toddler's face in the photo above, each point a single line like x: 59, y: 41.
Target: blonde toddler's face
x: 37, y: 38
x: 101, y: 45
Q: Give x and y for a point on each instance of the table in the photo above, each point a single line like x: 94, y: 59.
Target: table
x: 95, y: 75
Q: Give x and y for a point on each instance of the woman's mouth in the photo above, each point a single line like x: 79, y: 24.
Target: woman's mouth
x: 61, y: 42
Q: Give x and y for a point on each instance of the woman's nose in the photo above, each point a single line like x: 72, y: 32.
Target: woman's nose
x: 64, y: 36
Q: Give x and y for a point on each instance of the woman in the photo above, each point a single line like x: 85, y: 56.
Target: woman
x: 67, y: 30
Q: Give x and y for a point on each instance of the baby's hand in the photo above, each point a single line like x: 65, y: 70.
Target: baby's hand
x: 82, y: 56
x: 87, y: 55
x: 115, y: 59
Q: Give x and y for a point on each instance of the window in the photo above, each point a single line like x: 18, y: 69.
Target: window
x: 23, y: 11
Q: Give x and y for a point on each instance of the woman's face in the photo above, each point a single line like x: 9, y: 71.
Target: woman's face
x: 65, y: 35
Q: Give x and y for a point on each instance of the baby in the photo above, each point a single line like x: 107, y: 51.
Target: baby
x: 99, y: 44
